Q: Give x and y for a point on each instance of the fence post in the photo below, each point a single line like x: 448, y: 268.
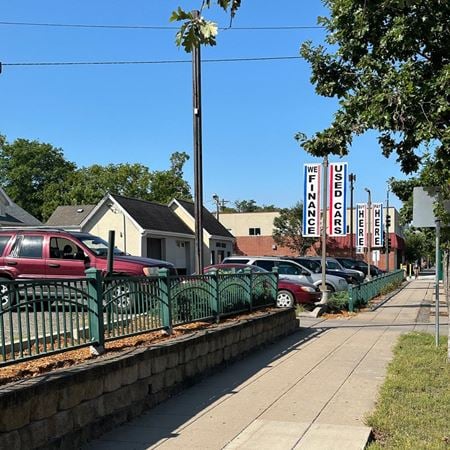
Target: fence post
x: 248, y: 273
x: 275, y: 272
x: 95, y: 311
x: 164, y: 298
x: 350, y: 299
x: 214, y: 298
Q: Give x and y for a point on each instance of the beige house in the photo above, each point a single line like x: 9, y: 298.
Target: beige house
x: 149, y: 229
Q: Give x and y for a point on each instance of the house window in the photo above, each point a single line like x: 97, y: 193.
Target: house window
x: 254, y: 231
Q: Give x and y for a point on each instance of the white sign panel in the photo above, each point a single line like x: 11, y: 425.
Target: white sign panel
x: 361, y: 231
x: 377, y: 228
x: 338, y: 200
x: 311, y: 201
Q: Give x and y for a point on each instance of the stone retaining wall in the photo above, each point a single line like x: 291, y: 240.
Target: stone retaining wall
x: 65, y: 408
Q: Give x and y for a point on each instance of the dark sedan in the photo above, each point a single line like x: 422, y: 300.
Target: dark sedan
x: 289, y: 292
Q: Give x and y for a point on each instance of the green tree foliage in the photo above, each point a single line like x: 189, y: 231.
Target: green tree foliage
x: 288, y: 230
x: 419, y: 244
x: 38, y: 178
x: 30, y: 172
x: 388, y: 64
x: 195, y: 31
x: 169, y: 184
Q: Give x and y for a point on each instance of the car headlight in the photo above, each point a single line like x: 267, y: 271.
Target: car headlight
x: 307, y: 289
x: 149, y: 271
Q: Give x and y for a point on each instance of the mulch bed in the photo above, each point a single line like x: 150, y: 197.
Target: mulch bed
x: 34, y: 367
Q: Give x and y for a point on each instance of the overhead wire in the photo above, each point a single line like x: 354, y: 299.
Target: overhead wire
x: 154, y: 27
x: 167, y: 61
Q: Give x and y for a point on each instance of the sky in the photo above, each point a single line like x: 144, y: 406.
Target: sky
x: 142, y: 113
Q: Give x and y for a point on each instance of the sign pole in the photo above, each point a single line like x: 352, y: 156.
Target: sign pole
x: 436, y: 307
x: 324, y: 230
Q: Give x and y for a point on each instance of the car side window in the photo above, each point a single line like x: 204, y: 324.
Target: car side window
x: 62, y: 248
x: 286, y: 268
x: 28, y: 247
x: 265, y: 264
x: 3, y: 241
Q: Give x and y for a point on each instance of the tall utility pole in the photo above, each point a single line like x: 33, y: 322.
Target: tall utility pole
x: 369, y: 232
x: 217, y: 201
x: 352, y: 179
x: 386, y: 237
x: 324, y: 230
x: 198, y: 166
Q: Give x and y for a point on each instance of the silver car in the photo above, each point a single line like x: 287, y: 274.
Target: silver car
x: 290, y: 270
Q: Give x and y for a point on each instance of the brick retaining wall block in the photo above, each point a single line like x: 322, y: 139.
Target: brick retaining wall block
x: 67, y: 407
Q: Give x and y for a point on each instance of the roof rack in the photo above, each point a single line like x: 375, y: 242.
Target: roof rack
x: 31, y: 227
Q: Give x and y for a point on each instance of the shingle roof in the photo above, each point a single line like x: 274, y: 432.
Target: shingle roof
x: 152, y: 216
x: 210, y: 223
x: 14, y: 215
x: 71, y: 215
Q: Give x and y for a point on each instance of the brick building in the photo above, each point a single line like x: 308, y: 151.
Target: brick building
x: 253, y: 233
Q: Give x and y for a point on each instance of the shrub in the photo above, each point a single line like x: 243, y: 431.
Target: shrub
x: 338, y: 301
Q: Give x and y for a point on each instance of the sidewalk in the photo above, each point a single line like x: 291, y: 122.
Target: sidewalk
x: 311, y: 390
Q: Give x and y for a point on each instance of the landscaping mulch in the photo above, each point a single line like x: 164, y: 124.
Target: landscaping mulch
x: 34, y: 367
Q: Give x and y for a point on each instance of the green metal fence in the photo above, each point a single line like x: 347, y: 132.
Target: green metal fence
x: 361, y: 294
x: 49, y: 316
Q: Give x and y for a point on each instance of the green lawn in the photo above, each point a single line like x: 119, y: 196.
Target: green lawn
x: 413, y: 411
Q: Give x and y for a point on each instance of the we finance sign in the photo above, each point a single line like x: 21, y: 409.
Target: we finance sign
x: 338, y: 199
x: 311, y: 200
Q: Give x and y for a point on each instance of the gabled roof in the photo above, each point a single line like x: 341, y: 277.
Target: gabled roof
x: 151, y: 215
x: 13, y: 215
x: 69, y: 216
x: 210, y: 223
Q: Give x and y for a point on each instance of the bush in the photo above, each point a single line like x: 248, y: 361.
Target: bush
x: 338, y: 301
x: 390, y: 287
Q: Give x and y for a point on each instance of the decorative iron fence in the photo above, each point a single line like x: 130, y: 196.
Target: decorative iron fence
x: 361, y: 294
x: 49, y: 316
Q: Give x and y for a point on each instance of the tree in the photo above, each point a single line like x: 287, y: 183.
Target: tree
x: 169, y: 184
x: 30, y: 171
x: 388, y: 64
x: 243, y: 206
x: 90, y: 184
x: 288, y: 230
x: 196, y: 31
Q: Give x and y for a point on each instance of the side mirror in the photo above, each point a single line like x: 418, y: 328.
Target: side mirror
x: 305, y: 273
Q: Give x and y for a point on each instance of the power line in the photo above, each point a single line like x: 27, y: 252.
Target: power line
x: 152, y: 27
x: 168, y: 61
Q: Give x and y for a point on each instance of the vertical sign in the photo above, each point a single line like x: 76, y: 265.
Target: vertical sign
x: 377, y: 220
x: 338, y: 199
x: 311, y: 202
x: 361, y: 230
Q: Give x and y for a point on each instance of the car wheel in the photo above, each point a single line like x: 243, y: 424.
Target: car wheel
x: 5, y: 297
x: 122, y: 299
x: 285, y: 299
x: 330, y: 288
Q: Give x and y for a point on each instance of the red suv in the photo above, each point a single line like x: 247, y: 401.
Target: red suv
x: 46, y: 253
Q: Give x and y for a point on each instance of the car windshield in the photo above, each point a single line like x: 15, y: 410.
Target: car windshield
x: 313, y: 266
x: 347, y: 264
x: 234, y: 269
x: 98, y: 245
x: 333, y: 265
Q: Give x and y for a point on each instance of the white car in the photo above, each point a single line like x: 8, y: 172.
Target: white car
x: 290, y: 270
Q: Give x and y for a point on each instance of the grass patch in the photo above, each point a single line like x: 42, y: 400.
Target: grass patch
x: 413, y: 411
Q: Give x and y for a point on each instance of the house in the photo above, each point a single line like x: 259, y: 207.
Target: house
x: 12, y: 215
x: 69, y: 217
x: 149, y: 229
x: 253, y: 234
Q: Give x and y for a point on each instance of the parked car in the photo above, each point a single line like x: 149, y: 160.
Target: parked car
x: 332, y: 268
x: 290, y: 292
x: 291, y: 270
x: 38, y: 253
x: 315, y: 265
x: 357, y: 264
